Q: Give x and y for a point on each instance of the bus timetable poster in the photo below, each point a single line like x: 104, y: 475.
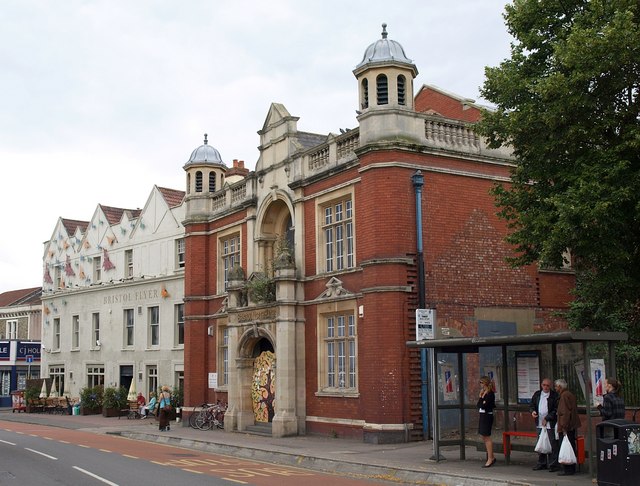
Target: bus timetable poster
x: 528, y: 374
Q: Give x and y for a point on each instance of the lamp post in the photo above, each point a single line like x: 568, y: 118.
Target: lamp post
x: 418, y: 182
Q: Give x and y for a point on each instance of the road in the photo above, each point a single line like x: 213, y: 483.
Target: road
x: 33, y: 454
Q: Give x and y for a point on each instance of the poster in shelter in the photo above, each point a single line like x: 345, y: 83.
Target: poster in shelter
x: 449, y: 388
x: 595, y: 379
x: 527, y: 374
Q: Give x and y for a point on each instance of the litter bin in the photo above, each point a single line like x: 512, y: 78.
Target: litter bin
x: 618, y: 448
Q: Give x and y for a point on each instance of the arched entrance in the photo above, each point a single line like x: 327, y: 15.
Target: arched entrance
x: 263, y: 385
x: 257, y: 373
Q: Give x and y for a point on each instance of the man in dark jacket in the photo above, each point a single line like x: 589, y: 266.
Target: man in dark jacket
x: 544, y: 409
x: 568, y: 421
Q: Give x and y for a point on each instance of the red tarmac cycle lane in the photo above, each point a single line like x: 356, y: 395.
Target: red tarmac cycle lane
x: 237, y: 470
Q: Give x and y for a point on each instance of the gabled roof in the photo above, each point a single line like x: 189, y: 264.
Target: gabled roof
x: 173, y: 197
x: 113, y: 215
x: 277, y: 115
x: 19, y: 297
x: 72, y: 224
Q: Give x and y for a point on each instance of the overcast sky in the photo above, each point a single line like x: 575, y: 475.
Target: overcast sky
x: 100, y: 100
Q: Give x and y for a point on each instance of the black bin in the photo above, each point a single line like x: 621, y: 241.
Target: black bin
x: 618, y: 448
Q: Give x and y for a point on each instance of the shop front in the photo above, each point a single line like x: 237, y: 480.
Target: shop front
x: 19, y: 361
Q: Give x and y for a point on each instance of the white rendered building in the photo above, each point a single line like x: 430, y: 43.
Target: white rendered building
x: 113, y: 293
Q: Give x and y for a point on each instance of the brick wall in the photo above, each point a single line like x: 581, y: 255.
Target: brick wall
x: 430, y: 99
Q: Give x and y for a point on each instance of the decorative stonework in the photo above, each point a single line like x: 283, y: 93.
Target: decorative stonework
x: 334, y: 289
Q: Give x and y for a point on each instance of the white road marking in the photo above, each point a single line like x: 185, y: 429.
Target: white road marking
x: 99, y: 478
x: 6, y: 442
x: 42, y: 454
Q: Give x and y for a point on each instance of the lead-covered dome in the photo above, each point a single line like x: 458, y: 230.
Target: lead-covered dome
x: 384, y: 51
x: 205, y: 154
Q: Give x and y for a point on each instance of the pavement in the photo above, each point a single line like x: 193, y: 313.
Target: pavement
x: 407, y: 463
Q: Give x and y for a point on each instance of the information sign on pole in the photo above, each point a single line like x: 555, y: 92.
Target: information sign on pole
x: 425, y: 324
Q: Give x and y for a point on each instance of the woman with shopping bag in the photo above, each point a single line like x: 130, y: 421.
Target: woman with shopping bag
x: 568, y: 423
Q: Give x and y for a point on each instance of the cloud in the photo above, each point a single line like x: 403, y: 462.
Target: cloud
x: 103, y: 99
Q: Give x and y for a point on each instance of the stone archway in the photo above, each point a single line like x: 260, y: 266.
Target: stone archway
x: 256, y: 375
x: 275, y: 228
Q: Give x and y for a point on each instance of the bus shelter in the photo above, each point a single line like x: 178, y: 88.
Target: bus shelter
x: 517, y: 364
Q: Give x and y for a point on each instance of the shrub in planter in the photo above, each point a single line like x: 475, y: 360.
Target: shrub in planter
x: 31, y: 394
x: 114, y: 400
x: 91, y: 399
x: 177, y: 400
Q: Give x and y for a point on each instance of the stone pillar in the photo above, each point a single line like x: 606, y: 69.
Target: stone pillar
x: 285, y: 420
x: 244, y: 408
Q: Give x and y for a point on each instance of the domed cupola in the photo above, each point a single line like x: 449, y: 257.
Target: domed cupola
x: 205, y: 170
x: 204, y: 154
x: 385, y: 75
x: 384, y: 50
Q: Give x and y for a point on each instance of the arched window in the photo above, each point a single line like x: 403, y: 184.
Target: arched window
x: 212, y: 181
x: 188, y: 183
x: 198, y: 181
x: 402, y: 100
x: 365, y: 94
x: 383, y: 89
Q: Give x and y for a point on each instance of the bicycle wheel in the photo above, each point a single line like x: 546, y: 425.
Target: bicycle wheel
x: 192, y: 420
x: 219, y: 419
x: 204, y: 422
x: 194, y: 415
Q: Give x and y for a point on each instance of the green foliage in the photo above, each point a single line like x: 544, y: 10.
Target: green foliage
x: 177, y: 397
x: 568, y: 103
x: 31, y: 393
x: 91, y: 398
x: 261, y: 288
x: 115, y: 398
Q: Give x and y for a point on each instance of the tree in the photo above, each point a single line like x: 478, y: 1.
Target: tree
x: 568, y: 103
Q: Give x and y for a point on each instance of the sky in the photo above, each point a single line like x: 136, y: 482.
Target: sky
x: 100, y: 100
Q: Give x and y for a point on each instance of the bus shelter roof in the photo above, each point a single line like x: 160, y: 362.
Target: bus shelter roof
x: 458, y: 344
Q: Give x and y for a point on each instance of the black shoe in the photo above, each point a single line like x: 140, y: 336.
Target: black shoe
x: 491, y: 463
x: 566, y: 473
x: 538, y: 467
x: 554, y: 469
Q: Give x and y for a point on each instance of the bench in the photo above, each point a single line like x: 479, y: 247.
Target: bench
x: 506, y: 443
x: 132, y: 412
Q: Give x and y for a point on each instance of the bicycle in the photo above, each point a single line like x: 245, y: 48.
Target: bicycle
x: 208, y: 417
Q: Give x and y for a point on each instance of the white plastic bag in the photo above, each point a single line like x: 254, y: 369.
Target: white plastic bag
x: 566, y: 454
x: 543, y: 446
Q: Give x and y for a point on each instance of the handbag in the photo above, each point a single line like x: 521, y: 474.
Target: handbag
x: 566, y: 454
x: 543, y: 446
x: 167, y: 404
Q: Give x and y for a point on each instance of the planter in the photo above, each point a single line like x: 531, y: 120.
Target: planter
x: 89, y: 411
x: 110, y: 412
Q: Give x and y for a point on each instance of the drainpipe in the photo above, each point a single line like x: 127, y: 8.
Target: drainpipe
x: 418, y: 182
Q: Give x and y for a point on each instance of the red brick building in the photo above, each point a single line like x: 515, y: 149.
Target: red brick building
x: 301, y: 280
